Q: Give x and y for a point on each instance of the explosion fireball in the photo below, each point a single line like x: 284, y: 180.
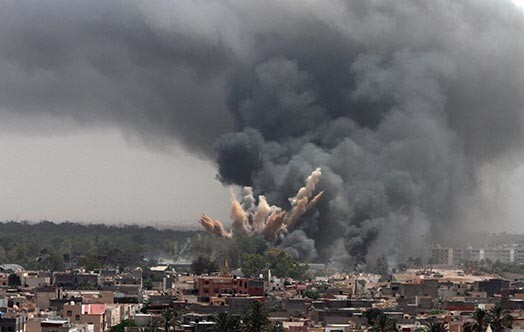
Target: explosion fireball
x: 251, y: 219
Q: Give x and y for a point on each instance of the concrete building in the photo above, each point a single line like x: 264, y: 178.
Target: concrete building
x: 12, y: 324
x: 76, y: 280
x: 458, y: 256
x: 492, y: 286
x: 519, y: 255
x: 213, y: 286
x: 87, y: 314
x: 34, y: 279
x: 57, y: 325
x: 442, y: 256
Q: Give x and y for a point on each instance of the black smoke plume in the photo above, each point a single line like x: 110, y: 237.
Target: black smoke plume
x: 398, y: 102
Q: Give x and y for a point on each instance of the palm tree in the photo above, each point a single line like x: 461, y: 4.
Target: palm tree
x: 480, y: 322
x: 371, y: 315
x: 500, y: 318
x: 151, y: 328
x: 224, y: 322
x: 383, y: 324
x: 276, y: 328
x: 256, y: 319
x: 169, y: 319
x: 434, y: 326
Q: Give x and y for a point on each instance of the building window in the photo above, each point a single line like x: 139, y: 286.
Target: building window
x: 77, y: 317
x: 69, y: 313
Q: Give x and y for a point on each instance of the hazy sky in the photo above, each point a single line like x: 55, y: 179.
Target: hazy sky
x: 96, y: 175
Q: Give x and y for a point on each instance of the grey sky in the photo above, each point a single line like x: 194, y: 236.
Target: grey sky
x: 95, y: 175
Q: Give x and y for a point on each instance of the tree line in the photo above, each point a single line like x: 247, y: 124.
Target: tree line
x: 50, y: 246
x: 253, y: 255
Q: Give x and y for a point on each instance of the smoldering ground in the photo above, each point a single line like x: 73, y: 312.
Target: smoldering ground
x: 399, y: 102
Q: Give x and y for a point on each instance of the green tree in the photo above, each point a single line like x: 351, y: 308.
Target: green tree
x: 371, y: 315
x: 283, y: 265
x: 224, y: 322
x: 234, y: 249
x: 298, y: 271
x: 147, y: 328
x: 202, y: 245
x: 434, y: 326
x: 55, y: 262
x: 2, y: 254
x: 253, y: 264
x: 251, y: 245
x: 500, y: 318
x: 280, y: 262
x: 256, y: 318
x: 170, y: 318
x: 21, y: 252
x: 204, y: 264
x: 479, y: 323
x: 277, y: 327
x: 146, y: 306
x: 383, y: 323
x: 312, y: 294
x: 115, y: 243
x: 90, y: 262
x: 121, y: 327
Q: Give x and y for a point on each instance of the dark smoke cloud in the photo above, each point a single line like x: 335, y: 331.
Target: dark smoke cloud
x: 399, y: 103
x: 106, y: 62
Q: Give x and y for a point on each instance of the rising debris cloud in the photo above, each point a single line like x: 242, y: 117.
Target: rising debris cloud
x: 215, y: 227
x: 251, y: 219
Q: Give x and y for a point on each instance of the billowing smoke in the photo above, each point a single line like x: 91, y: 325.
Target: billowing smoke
x: 271, y: 222
x: 399, y: 102
x: 214, y: 227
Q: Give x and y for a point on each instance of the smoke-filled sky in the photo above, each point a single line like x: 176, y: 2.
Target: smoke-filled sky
x: 142, y: 111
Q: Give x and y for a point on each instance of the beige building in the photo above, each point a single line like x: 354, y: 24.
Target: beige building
x: 33, y: 279
x: 43, y: 296
x: 112, y: 315
x: 87, y: 314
